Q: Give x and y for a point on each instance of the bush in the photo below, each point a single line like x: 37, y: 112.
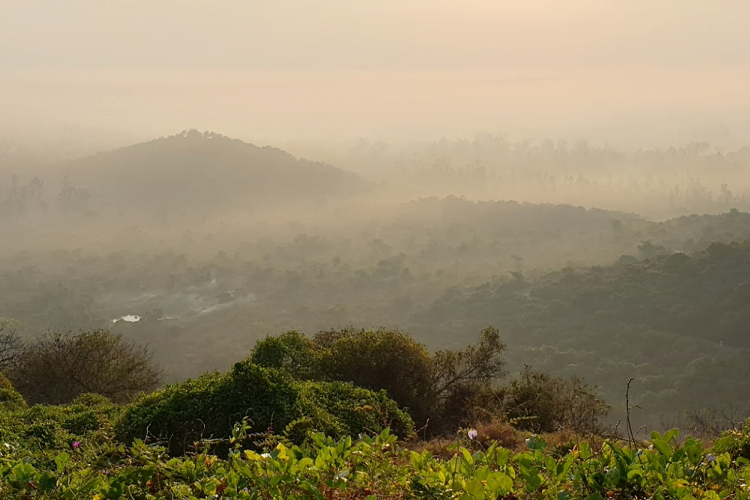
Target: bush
x: 387, y: 360
x: 59, y: 367
x: 208, y: 408
x: 10, y: 399
x: 342, y: 409
x: 292, y: 353
x: 5, y: 383
x: 462, y: 381
x: 736, y: 442
x: 539, y: 402
x: 51, y: 427
x: 391, y: 360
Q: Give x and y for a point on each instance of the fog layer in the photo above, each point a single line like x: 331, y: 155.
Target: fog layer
x: 631, y: 73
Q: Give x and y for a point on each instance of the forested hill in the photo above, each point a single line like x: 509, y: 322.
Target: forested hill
x: 678, y: 323
x: 195, y: 170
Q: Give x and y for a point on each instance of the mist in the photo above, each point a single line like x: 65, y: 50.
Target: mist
x: 632, y: 74
x: 198, y: 176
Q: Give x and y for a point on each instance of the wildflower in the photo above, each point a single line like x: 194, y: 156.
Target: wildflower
x: 265, y: 455
x: 711, y: 457
x: 472, y: 434
x: 75, y: 445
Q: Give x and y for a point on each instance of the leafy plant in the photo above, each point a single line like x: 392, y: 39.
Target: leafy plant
x: 209, y: 407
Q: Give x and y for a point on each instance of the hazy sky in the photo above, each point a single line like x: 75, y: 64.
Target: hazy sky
x: 273, y: 70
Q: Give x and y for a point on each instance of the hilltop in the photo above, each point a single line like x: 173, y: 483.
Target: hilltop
x: 194, y: 171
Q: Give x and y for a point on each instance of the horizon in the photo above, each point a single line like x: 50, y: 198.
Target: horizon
x: 632, y: 75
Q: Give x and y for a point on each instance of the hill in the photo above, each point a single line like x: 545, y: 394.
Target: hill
x: 195, y: 171
x: 678, y: 323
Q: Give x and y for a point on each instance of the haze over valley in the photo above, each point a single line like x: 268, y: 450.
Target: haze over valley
x: 576, y: 176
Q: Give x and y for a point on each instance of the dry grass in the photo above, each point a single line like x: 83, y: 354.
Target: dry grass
x: 500, y: 432
x: 504, y: 434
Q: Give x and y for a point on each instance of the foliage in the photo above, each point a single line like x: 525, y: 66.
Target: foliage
x: 735, y: 441
x: 413, y: 269
x: 392, y: 361
x: 539, y: 403
x: 47, y: 427
x: 380, y: 359
x: 462, y: 382
x: 17, y: 200
x: 438, y: 268
x: 9, y: 396
x: 377, y: 467
x: 210, y: 406
x: 291, y: 352
x: 58, y: 367
x: 343, y: 409
x: 674, y: 322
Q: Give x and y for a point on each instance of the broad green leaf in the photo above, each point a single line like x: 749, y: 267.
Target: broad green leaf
x: 595, y: 496
x: 671, y: 434
x: 61, y: 460
x: 499, y: 484
x: 663, y: 447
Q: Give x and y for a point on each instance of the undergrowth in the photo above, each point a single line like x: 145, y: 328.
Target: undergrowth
x: 485, y: 463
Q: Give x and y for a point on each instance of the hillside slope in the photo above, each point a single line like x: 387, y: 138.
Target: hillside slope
x: 193, y: 170
x: 678, y: 323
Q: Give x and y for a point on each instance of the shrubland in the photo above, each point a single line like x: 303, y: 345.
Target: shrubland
x: 295, y: 431
x: 370, y: 466
x: 212, y: 405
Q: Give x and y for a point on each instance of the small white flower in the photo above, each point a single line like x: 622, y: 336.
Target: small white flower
x: 265, y: 455
x: 472, y: 434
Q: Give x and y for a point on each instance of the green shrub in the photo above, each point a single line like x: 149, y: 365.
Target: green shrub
x: 4, y: 382
x: 382, y: 359
x: 343, y: 409
x: 54, y: 427
x: 426, y: 385
x: 373, y: 359
x: 91, y: 399
x: 736, y: 442
x: 292, y: 353
x: 10, y: 399
x: 539, y: 402
x: 208, y: 407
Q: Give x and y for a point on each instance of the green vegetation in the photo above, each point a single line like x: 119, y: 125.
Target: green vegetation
x: 580, y: 301
x: 210, y: 406
x: 374, y: 466
x: 10, y: 398
x: 260, y: 433
x: 674, y: 322
x: 427, y: 385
